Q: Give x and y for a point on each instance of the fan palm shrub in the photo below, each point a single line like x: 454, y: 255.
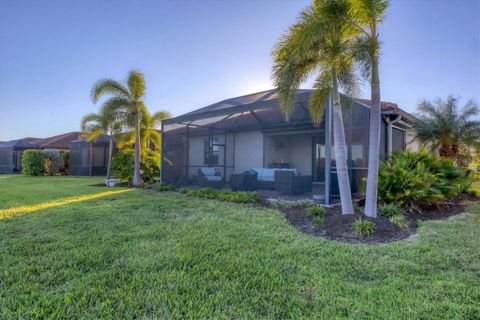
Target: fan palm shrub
x: 320, y: 42
x: 127, y: 100
x: 415, y: 180
x: 444, y: 128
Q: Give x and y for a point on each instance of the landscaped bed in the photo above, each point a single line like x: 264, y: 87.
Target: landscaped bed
x: 148, y: 255
x: 340, y: 227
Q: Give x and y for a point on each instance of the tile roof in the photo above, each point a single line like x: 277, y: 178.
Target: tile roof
x: 61, y: 141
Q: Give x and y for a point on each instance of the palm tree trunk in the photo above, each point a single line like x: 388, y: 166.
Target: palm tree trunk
x: 374, y: 144
x: 136, y: 169
x: 341, y: 150
x: 110, y: 151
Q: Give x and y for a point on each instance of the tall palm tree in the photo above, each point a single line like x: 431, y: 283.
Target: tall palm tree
x: 95, y: 125
x: 148, y: 131
x: 368, y: 14
x: 320, y: 41
x: 445, y: 129
x: 127, y: 100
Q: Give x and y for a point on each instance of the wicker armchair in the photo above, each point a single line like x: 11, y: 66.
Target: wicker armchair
x: 287, y: 182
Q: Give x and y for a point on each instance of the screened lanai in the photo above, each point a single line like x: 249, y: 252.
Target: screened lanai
x: 11, y: 154
x: 250, y: 132
x: 89, y: 158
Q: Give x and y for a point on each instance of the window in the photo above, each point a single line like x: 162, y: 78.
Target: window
x: 211, y: 152
x: 398, y: 139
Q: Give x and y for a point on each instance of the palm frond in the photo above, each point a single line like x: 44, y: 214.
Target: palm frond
x: 158, y: 116
x: 108, y: 86
x: 88, y: 120
x: 136, y: 83
x: 319, y: 97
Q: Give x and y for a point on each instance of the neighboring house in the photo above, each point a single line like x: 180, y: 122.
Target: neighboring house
x: 11, y: 154
x: 250, y: 132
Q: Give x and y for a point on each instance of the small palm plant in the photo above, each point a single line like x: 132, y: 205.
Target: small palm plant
x: 148, y: 131
x: 321, y: 41
x: 126, y: 100
x: 95, y: 125
x: 445, y: 129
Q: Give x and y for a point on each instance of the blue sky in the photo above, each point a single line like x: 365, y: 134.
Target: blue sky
x: 194, y: 53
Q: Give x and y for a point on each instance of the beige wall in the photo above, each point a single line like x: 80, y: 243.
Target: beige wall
x: 411, y: 145
x: 248, y: 150
x: 295, y: 149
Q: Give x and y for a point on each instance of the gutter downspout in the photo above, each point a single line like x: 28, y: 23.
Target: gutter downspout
x: 389, y: 123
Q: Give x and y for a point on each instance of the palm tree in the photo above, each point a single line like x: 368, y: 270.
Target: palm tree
x: 126, y: 99
x: 368, y: 14
x: 321, y: 40
x: 95, y: 125
x: 445, y: 129
x: 148, y: 133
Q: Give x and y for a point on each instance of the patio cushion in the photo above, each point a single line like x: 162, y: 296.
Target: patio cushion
x: 268, y: 174
x: 209, y: 172
x: 213, y: 178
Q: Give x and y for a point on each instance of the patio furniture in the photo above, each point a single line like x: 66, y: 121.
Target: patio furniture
x: 210, y: 177
x: 243, y: 181
x: 266, y: 176
x: 288, y: 182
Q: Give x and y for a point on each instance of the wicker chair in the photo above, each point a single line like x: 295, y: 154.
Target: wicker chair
x: 287, y: 182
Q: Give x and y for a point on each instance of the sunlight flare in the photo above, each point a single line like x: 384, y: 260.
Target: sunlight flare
x: 11, y: 212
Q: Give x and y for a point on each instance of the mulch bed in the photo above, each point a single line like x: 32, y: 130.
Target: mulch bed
x: 340, y: 227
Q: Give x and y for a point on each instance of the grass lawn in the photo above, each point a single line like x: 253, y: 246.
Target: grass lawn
x: 145, y: 255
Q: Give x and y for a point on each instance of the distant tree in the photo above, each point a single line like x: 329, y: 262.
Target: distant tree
x: 127, y: 101
x: 320, y: 42
x: 445, y: 129
x: 94, y: 125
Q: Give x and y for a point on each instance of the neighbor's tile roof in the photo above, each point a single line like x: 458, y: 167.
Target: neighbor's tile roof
x: 61, y: 141
x: 389, y: 106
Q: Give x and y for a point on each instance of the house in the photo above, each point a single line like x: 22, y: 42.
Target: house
x: 11, y: 154
x: 250, y: 132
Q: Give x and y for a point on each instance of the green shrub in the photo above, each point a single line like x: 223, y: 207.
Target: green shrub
x: 400, y: 221
x: 123, y: 165
x: 355, y: 206
x: 223, y: 195
x: 316, y: 211
x: 164, y: 187
x: 473, y: 192
x: 414, y: 180
x: 32, y: 162
x: 52, y: 161
x: 66, y: 161
x: 318, y: 221
x: 389, y: 210
x: 363, y: 227
x: 280, y: 203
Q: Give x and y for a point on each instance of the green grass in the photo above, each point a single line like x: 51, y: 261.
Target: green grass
x: 149, y: 255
